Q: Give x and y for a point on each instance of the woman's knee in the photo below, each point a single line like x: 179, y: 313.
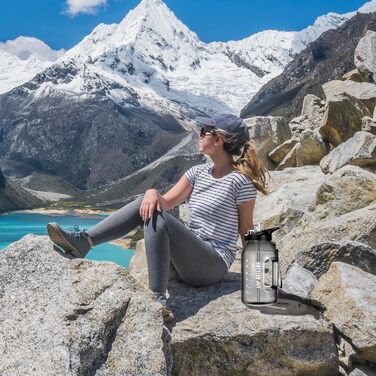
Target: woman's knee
x: 156, y: 222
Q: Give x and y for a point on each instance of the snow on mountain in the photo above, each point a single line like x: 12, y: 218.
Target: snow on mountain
x: 22, y: 58
x: 152, y: 56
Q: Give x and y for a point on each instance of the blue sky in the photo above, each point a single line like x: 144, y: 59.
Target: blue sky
x: 212, y: 20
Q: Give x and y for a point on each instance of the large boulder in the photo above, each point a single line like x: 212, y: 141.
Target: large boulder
x: 359, y: 150
x: 365, y: 57
x: 215, y: 333
x: 318, y: 258
x: 342, y: 118
x: 267, y: 132
x: 347, y: 189
x: 309, y: 149
x: 348, y: 295
x: 363, y: 91
x: 313, y: 109
x: 64, y: 316
x: 291, y: 192
x: 359, y: 225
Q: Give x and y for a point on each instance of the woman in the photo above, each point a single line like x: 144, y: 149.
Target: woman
x: 221, y: 196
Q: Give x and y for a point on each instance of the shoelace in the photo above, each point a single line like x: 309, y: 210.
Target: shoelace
x: 77, y: 233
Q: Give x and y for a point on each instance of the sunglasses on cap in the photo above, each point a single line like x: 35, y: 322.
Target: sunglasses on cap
x: 207, y: 129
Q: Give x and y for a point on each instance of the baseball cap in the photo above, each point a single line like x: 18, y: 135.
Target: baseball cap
x: 228, y: 122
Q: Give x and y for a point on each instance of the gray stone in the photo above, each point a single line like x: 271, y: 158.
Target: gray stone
x: 318, y: 258
x: 299, y: 281
x: 368, y: 125
x: 64, y: 316
x: 362, y: 371
x: 215, y: 333
x: 355, y: 76
x: 359, y: 225
x: 359, y: 150
x: 291, y: 192
x: 348, y: 188
x: 267, y: 132
x: 279, y: 153
x: 365, y: 57
x: 348, y: 295
x: 342, y: 118
x: 363, y: 91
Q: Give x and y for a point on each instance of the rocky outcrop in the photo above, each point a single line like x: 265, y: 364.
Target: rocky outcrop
x: 357, y: 225
x: 328, y: 58
x: 343, y: 117
x: 308, y: 150
x: 14, y: 197
x: 349, y: 297
x: 63, y: 316
x: 266, y: 134
x: 359, y: 150
x: 216, y: 333
x: 364, y: 57
x: 347, y: 189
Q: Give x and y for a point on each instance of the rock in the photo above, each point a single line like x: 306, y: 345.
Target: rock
x: 365, y: 57
x: 359, y: 225
x: 355, y: 76
x: 64, y: 316
x: 280, y: 152
x: 359, y: 150
x: 362, y: 371
x: 309, y: 150
x: 342, y: 118
x: 216, y: 333
x: 291, y: 158
x: 349, y: 297
x: 368, y: 125
x: 311, y: 104
x: 267, y: 132
x: 362, y: 91
x: 318, y: 258
x: 348, y: 188
x: 291, y: 192
x: 299, y: 281
x: 311, y: 117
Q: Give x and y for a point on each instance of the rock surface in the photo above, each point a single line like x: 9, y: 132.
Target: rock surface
x: 364, y: 56
x: 63, y: 316
x: 359, y: 150
x: 349, y: 297
x: 215, y: 333
x: 267, y: 132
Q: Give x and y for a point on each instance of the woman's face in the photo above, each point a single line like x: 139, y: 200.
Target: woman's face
x: 207, y: 140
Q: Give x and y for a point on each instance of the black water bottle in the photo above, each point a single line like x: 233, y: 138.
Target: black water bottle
x: 260, y: 268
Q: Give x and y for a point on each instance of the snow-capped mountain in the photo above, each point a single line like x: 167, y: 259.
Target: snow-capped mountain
x: 124, y: 96
x: 22, y: 58
x: 152, y: 53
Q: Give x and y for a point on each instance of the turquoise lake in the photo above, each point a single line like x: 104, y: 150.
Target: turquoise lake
x: 13, y: 226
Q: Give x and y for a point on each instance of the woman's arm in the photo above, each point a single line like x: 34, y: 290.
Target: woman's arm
x: 176, y: 195
x: 245, y: 211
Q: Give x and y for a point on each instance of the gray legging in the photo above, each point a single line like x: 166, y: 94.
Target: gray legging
x: 168, y: 243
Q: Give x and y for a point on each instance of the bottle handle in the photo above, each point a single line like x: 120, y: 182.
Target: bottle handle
x: 276, y: 274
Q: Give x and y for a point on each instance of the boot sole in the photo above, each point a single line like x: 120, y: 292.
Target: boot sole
x: 58, y: 238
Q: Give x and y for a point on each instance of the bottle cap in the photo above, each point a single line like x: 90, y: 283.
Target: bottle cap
x: 265, y: 234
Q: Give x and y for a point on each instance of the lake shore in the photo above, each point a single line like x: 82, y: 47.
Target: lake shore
x: 79, y: 212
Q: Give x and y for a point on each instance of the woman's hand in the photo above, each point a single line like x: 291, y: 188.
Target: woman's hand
x: 149, y: 203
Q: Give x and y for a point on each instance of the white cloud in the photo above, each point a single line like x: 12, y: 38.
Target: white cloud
x: 84, y: 6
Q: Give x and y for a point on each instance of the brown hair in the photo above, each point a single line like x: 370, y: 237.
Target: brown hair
x: 249, y: 163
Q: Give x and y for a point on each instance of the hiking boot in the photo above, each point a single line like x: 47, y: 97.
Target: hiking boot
x: 76, y: 242
x: 166, y: 312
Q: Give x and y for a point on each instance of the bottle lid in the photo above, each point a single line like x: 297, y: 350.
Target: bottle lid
x: 265, y: 234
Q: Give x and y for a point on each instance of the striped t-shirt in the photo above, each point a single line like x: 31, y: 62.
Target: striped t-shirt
x: 213, y: 210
